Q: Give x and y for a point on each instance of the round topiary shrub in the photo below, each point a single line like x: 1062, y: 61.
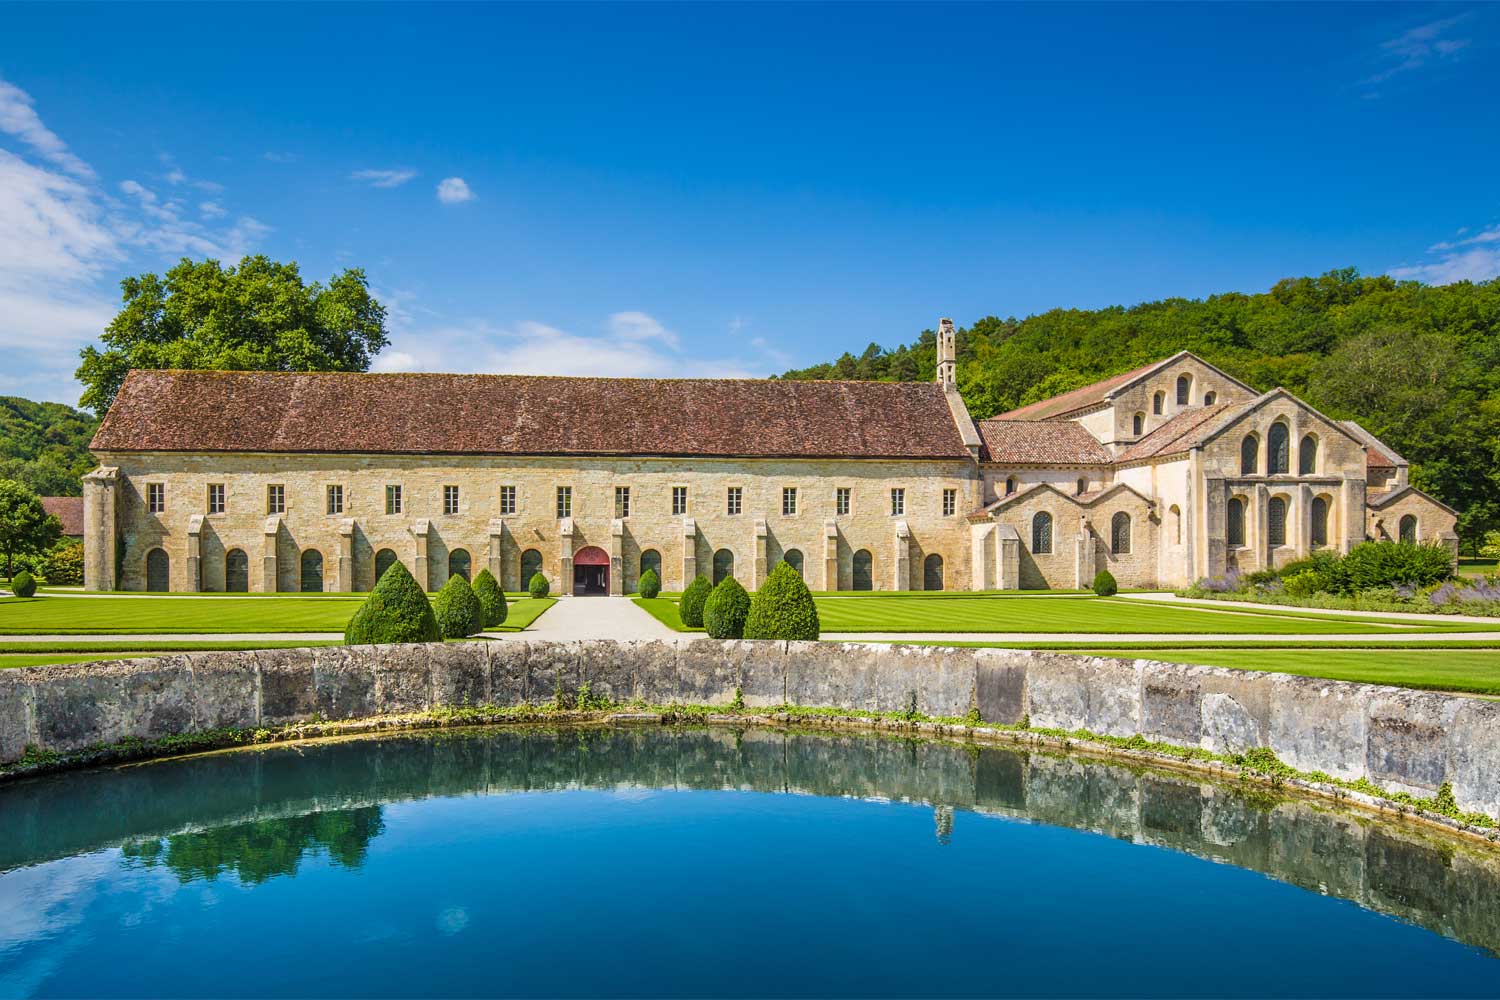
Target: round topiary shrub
x: 538, y: 586
x: 491, y: 598
x: 690, y: 606
x: 725, y: 610
x: 396, y: 611
x: 23, y: 585
x: 1104, y: 584
x: 783, y: 608
x: 457, y: 610
x: 650, y: 584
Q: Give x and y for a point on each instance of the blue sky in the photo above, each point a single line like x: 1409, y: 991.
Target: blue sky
x: 731, y: 190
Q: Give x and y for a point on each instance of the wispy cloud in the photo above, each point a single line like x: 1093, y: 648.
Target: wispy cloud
x: 276, y: 157
x: 1421, y: 46
x: 454, y: 191
x: 383, y: 178
x: 18, y: 118
x: 1470, y: 258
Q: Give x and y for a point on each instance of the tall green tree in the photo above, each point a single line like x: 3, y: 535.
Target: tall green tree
x: 257, y: 316
x: 25, y: 528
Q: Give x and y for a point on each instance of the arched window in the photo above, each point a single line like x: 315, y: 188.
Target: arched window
x: 1174, y: 515
x: 384, y: 560
x: 158, y: 571
x: 458, y: 563
x: 1041, y: 534
x: 793, y: 558
x: 723, y: 565
x: 236, y: 572
x: 1319, y: 530
x: 1138, y: 424
x: 1276, y: 522
x: 1210, y: 398
x: 531, y: 565
x: 1184, y: 389
x: 1119, y: 533
x: 1407, y: 529
x: 1278, y: 446
x: 312, y: 571
x: 1235, y: 523
x: 864, y: 570
x: 1157, y: 402
x: 1081, y: 487
x: 1307, y: 456
x: 1010, y: 485
x: 650, y: 560
x: 932, y: 572
x: 1249, y: 455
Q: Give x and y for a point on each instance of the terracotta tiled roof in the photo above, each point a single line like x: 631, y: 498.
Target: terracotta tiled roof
x: 1078, y: 399
x: 1186, y: 430
x: 69, y: 511
x: 1040, y: 442
x: 1376, y: 459
x: 204, y: 411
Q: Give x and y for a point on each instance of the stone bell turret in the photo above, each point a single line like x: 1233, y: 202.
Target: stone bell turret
x: 947, y: 353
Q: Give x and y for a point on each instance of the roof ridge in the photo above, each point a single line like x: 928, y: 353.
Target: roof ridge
x: 220, y: 372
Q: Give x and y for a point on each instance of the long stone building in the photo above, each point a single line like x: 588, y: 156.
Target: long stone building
x: 255, y: 481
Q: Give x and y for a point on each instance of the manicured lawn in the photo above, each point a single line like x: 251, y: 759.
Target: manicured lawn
x: 1478, y: 567
x: 523, y: 612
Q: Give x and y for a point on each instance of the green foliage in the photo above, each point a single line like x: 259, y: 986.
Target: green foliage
x: 1303, y: 584
x: 25, y: 527
x: 1389, y: 564
x: 258, y: 316
x: 725, y: 610
x: 23, y: 585
x: 783, y: 608
x: 457, y: 609
x: 1104, y: 584
x: 649, y: 585
x: 538, y: 586
x: 690, y: 607
x: 62, y: 566
x: 491, y: 598
x: 45, y: 446
x: 396, y: 611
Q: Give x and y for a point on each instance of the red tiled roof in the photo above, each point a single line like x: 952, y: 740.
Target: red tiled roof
x: 1077, y: 399
x: 69, y: 511
x: 1376, y: 459
x: 1185, y: 431
x: 208, y: 411
x: 1039, y: 442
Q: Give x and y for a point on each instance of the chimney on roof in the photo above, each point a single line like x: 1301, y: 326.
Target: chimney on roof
x: 947, y: 354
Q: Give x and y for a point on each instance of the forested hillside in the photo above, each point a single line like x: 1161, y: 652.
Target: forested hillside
x: 1417, y: 365
x: 44, y: 445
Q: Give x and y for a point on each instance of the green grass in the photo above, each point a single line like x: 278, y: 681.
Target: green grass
x: 166, y: 615
x: 521, y: 613
x: 1478, y: 567
x: 1072, y: 614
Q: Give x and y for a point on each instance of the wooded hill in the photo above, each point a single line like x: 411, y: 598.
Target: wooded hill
x: 45, y: 445
x: 1417, y: 365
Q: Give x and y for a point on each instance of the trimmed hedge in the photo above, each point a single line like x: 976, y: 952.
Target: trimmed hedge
x: 783, y: 608
x: 396, y: 611
x: 491, y: 599
x: 726, y: 609
x: 538, y: 586
x: 650, y: 584
x: 458, y: 611
x: 23, y: 585
x: 1104, y: 584
x: 690, y: 607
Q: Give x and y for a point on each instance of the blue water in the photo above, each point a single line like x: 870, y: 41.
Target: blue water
x: 650, y: 862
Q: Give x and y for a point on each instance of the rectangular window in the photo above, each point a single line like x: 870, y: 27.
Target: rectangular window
x: 276, y: 499
x: 393, y: 499
x: 564, y: 501
x: 736, y: 499
x: 156, y: 498
x: 788, y: 500
x: 507, y: 500
x: 898, y: 502
x: 216, y: 498
x: 335, y: 499
x: 622, y: 501
x: 950, y: 503
x: 841, y: 500
x: 450, y: 500
x: 679, y: 500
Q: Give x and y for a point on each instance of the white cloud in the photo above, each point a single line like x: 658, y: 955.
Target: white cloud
x: 19, y: 118
x: 454, y: 191
x: 639, y: 326
x: 1419, y: 46
x: 1470, y: 258
x: 383, y: 178
x: 275, y: 157
x: 211, y: 210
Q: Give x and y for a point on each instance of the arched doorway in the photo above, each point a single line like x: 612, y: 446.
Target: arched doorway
x: 932, y: 572
x: 236, y: 572
x: 312, y: 571
x: 793, y: 558
x: 590, y: 571
x: 531, y: 565
x: 864, y: 578
x: 723, y: 565
x: 458, y: 563
x: 158, y: 571
x: 384, y: 560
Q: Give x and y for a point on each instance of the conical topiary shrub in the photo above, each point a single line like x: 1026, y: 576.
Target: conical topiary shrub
x: 457, y: 610
x: 725, y: 610
x: 783, y: 608
x: 690, y: 606
x: 538, y: 586
x: 650, y: 584
x: 491, y: 599
x: 396, y: 611
x: 1104, y: 584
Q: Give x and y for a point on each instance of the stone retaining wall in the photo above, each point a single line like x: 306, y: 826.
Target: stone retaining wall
x: 1401, y: 740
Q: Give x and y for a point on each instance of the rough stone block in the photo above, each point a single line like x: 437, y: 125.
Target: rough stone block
x: 1474, y: 756
x: 1171, y: 704
x: 608, y: 668
x: 551, y: 670
x: 460, y: 673
x: 508, y: 658
x: 656, y: 672
x: 708, y: 671
x: 346, y: 682
x: 1319, y: 725
x: 1114, y: 688
x: 816, y: 677
x: 403, y: 678
x: 15, y: 714
x: 288, y: 692
x: 941, y: 679
x: 1057, y: 692
x: 1228, y: 727
x: 1408, y: 739
x: 1000, y: 684
x: 79, y: 706
x: 223, y: 690
x: 763, y: 670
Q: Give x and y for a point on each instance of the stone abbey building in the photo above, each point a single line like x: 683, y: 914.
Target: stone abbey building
x: 255, y: 481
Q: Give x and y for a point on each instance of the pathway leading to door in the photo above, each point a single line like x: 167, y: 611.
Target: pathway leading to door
x: 592, y: 618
